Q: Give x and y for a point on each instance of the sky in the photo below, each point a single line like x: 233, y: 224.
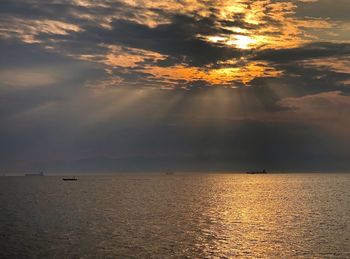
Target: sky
x: 186, y: 85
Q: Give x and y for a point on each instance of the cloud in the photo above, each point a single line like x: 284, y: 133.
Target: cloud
x: 195, y: 35
x: 176, y: 39
x: 305, y: 52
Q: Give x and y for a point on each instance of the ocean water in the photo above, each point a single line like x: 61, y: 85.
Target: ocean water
x: 176, y: 216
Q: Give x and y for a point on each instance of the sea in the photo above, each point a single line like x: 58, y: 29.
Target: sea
x: 184, y: 215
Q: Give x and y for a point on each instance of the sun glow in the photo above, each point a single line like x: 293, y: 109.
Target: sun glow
x: 242, y: 41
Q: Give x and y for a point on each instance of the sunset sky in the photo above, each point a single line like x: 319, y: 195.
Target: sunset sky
x: 199, y: 85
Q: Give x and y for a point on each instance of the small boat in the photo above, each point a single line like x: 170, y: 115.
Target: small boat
x: 70, y: 179
x: 257, y: 172
x: 169, y: 173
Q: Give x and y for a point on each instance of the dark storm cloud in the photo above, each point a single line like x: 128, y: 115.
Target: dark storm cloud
x: 299, y: 76
x: 308, y: 51
x: 177, y: 39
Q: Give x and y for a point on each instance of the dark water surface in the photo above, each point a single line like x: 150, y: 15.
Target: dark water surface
x: 162, y: 216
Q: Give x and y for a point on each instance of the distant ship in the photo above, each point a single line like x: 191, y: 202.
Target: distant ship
x: 169, y: 173
x: 257, y: 172
x: 70, y: 179
x: 35, y: 174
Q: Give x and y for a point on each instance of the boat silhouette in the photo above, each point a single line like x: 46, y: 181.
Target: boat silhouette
x: 70, y: 179
x: 257, y: 172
